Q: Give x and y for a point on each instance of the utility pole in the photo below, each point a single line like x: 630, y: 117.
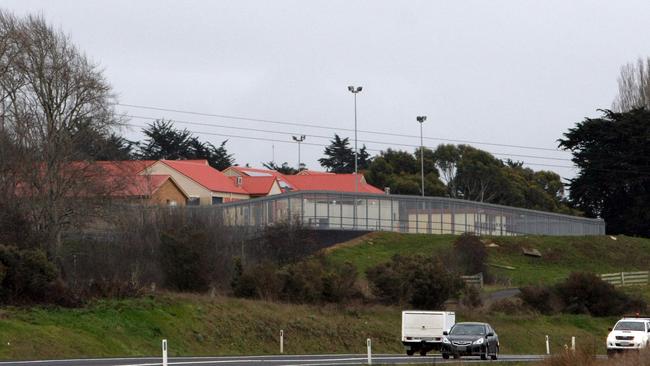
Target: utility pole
x: 421, y: 120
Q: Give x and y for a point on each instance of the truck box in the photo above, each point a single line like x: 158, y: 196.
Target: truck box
x: 422, y: 330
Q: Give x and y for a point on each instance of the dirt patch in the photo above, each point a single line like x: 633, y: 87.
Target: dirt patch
x: 350, y: 243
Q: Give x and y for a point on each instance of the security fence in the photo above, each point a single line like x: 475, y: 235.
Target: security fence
x: 406, y: 214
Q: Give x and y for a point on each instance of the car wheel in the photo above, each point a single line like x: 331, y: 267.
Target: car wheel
x: 410, y: 352
x: 456, y: 356
x: 445, y: 356
x: 423, y: 353
x: 496, y: 354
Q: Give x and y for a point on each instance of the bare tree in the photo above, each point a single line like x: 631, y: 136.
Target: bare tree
x: 52, y: 99
x: 633, y: 86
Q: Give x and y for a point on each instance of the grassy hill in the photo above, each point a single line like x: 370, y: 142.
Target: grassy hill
x: 200, y: 325
x: 560, y: 255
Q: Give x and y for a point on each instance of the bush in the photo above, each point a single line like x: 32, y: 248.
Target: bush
x: 26, y: 275
x: 581, y: 293
x: 509, y: 306
x: 310, y: 281
x: 541, y: 298
x: 422, y: 282
x: 185, y: 259
x: 586, y: 293
x: 284, y: 243
x: 471, y: 297
x: 470, y: 255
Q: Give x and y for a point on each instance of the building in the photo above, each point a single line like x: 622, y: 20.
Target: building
x: 203, y: 184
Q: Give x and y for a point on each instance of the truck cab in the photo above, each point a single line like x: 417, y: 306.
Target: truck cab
x: 422, y: 330
x: 628, y: 334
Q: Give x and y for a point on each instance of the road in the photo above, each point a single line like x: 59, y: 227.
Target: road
x: 304, y: 360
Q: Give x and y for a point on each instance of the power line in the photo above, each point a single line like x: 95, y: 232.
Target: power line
x: 641, y: 173
x: 326, y: 137
x: 311, y: 143
x: 322, y: 126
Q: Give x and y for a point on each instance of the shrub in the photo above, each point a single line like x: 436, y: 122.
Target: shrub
x: 586, y: 293
x: 581, y: 293
x: 185, y: 259
x: 422, y: 282
x: 509, y: 306
x: 389, y: 282
x: 25, y: 275
x: 310, y: 281
x: 541, y: 298
x: 470, y: 255
x: 284, y: 243
x: 471, y: 297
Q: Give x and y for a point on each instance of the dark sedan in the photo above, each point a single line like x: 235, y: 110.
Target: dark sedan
x: 471, y: 339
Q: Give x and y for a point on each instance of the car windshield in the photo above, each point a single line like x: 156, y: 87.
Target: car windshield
x: 467, y: 329
x: 636, y: 326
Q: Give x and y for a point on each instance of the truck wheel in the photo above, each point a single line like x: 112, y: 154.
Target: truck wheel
x: 445, y: 356
x: 423, y: 353
x: 410, y: 352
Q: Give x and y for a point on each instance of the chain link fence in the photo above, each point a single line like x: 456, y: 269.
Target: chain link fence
x: 405, y: 214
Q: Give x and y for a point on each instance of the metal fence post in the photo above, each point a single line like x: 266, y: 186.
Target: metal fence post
x: 369, y: 343
x: 164, y: 352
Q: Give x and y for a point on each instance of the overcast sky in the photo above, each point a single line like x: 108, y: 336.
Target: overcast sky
x: 504, y: 72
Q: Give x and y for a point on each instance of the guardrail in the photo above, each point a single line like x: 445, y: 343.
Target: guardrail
x: 626, y: 278
x: 475, y: 280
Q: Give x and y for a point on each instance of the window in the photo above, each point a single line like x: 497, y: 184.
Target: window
x: 217, y: 200
x: 193, y: 201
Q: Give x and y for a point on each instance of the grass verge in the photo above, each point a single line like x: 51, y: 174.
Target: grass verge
x: 200, y: 325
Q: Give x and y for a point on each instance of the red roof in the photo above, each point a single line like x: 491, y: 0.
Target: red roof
x: 331, y: 182
x: 256, y: 185
x: 120, y: 167
x: 313, y: 172
x: 255, y: 172
x: 205, y: 175
x: 142, y: 185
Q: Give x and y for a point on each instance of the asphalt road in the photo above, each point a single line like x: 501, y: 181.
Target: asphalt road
x: 304, y: 360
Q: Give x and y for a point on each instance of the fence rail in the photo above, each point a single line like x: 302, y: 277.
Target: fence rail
x: 475, y: 280
x: 626, y: 278
x: 323, y: 210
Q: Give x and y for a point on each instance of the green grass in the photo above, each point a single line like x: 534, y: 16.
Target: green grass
x: 560, y: 255
x: 200, y: 325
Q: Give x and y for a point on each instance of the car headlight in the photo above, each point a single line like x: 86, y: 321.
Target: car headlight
x: 479, y: 341
x: 445, y: 340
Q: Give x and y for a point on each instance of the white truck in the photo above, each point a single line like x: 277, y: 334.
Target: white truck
x: 422, y: 330
x: 628, y: 334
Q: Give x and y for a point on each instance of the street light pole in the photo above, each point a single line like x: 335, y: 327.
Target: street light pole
x: 421, y: 120
x: 355, y: 90
x: 299, y: 140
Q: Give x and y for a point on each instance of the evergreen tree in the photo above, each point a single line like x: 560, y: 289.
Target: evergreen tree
x: 285, y: 168
x: 339, y: 157
x: 166, y: 142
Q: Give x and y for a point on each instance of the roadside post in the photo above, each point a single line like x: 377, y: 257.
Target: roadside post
x: 548, y: 346
x: 281, y: 341
x: 573, y: 343
x: 369, y: 343
x: 164, y: 352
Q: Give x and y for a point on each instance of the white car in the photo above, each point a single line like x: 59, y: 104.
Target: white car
x: 628, y: 334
